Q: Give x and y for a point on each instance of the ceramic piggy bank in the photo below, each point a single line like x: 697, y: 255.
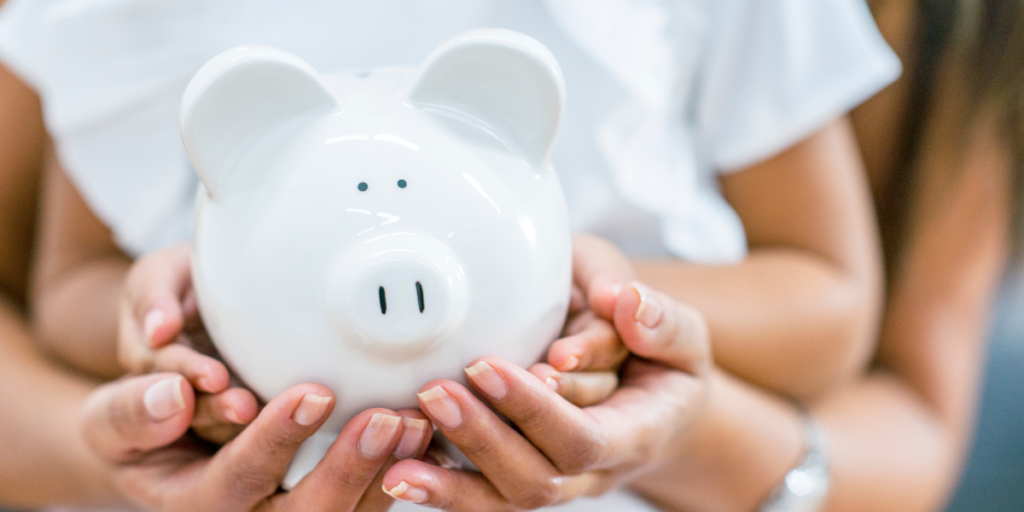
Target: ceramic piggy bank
x: 373, y: 231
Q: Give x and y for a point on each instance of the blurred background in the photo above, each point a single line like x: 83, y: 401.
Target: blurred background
x: 994, y: 477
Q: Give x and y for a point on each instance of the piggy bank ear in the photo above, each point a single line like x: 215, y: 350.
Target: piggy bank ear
x: 237, y: 95
x: 502, y: 79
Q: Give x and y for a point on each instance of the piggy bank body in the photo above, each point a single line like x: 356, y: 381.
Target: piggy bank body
x: 373, y: 231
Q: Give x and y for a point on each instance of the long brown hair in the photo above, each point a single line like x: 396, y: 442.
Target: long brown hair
x: 979, y: 44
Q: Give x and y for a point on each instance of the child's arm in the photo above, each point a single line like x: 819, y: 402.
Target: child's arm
x: 800, y: 313
x: 76, y: 280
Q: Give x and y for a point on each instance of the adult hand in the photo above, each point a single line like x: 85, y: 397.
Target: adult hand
x: 564, y: 451
x: 159, y: 330
x: 139, y: 426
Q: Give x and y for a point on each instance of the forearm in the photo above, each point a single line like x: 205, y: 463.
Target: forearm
x: 74, y: 316
x: 890, y: 452
x: 76, y: 279
x: 44, y: 462
x: 783, y: 320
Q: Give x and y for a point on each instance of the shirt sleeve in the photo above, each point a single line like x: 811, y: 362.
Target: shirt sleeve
x: 776, y: 71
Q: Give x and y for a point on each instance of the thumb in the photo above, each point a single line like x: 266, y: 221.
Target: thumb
x: 154, y: 292
x: 599, y: 271
x: 655, y: 327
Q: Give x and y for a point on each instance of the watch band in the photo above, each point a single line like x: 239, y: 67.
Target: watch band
x: 805, y: 487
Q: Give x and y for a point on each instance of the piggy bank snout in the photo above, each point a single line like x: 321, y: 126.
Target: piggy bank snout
x: 398, y: 297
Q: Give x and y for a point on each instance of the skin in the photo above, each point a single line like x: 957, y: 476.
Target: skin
x: 813, y: 249
x: 898, y: 436
x: 44, y: 462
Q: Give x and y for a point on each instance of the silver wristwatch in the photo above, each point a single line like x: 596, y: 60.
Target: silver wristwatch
x: 805, y: 487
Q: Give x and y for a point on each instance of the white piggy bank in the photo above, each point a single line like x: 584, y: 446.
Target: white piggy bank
x: 371, y: 232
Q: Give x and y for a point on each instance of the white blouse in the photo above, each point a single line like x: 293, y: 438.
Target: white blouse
x: 662, y: 96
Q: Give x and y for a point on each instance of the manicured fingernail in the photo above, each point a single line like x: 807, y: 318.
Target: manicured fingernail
x: 154, y: 319
x: 648, y: 313
x: 442, y: 406
x: 378, y: 434
x: 164, y: 398
x: 413, y: 431
x: 406, y: 492
x: 488, y: 380
x: 552, y: 384
x: 311, y: 409
x: 570, y: 364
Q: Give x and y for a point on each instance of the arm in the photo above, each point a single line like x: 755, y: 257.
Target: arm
x: 897, y: 437
x: 799, y: 314
x: 45, y: 461
x: 77, y: 278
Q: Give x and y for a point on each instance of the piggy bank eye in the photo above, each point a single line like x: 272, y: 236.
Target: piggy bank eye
x: 402, y: 183
x: 363, y: 186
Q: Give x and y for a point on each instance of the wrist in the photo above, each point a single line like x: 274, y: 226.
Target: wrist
x: 734, y: 453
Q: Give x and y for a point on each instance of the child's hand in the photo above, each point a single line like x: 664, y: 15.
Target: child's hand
x: 159, y: 330
x: 583, y: 365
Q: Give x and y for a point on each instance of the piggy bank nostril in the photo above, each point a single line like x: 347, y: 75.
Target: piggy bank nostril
x: 419, y: 294
x: 384, y: 301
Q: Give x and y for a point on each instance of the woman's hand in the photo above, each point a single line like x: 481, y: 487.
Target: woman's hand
x: 159, y: 330
x: 139, y: 426
x: 564, y: 451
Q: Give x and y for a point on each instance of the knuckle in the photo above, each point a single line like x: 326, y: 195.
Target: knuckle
x: 538, y: 495
x: 248, y: 482
x: 533, y: 410
x: 582, y: 453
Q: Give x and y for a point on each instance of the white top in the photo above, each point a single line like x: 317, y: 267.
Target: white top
x: 662, y: 96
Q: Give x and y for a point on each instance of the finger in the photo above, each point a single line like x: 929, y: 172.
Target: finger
x: 569, y: 438
x: 599, y: 269
x: 413, y: 442
x: 459, y: 491
x: 205, y: 373
x: 520, y: 473
x: 577, y: 300
x: 656, y: 327
x: 156, y: 288
x: 220, y: 417
x: 416, y: 434
x: 352, y: 463
x: 582, y: 389
x: 592, y: 344
x: 125, y: 418
x: 251, y: 467
x: 445, y: 489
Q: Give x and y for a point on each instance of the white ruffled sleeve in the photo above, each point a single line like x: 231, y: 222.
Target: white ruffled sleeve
x: 110, y: 91
x: 778, y: 70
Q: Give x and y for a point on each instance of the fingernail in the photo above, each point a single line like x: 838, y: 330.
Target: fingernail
x: 164, y: 398
x: 442, y: 407
x: 154, y: 319
x: 412, y: 436
x: 616, y: 289
x: 232, y: 416
x: 406, y: 492
x: 570, y: 364
x: 378, y: 434
x: 552, y: 384
x: 488, y: 380
x: 648, y: 313
x: 311, y: 409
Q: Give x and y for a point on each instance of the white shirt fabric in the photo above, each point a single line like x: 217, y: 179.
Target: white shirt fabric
x: 662, y: 96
